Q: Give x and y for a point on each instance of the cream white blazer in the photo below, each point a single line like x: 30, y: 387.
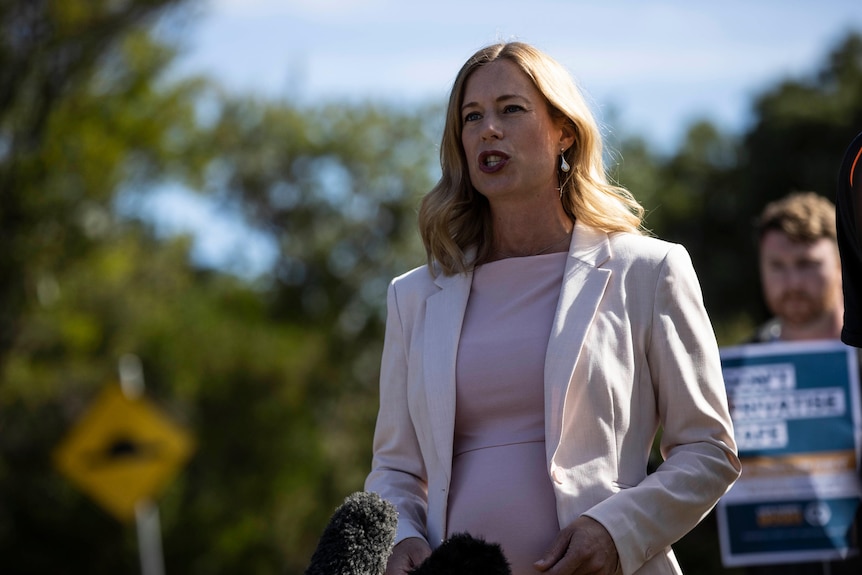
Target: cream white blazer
x: 631, y: 350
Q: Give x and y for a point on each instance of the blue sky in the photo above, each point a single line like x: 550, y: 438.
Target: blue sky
x: 648, y: 67
x: 660, y: 63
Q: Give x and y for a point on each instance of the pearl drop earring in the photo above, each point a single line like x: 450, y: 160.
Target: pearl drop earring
x: 564, y: 165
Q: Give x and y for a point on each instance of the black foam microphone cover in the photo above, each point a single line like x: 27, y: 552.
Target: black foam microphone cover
x: 464, y: 554
x: 358, y: 538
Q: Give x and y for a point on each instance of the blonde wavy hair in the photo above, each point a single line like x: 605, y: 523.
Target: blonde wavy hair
x: 454, y: 219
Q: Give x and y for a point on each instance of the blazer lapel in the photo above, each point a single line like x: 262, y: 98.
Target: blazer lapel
x: 444, y: 315
x: 584, y: 284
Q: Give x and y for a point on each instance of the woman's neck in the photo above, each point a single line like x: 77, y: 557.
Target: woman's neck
x: 524, y: 232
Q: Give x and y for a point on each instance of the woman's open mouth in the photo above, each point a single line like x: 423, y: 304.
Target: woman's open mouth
x: 492, y: 161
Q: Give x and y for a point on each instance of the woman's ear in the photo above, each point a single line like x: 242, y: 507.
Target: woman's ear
x: 567, y: 134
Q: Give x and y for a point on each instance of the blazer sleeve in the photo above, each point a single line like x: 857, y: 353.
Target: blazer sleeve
x: 700, y: 456
x: 398, y: 471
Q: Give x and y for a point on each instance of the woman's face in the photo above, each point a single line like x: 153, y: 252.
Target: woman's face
x: 511, y: 143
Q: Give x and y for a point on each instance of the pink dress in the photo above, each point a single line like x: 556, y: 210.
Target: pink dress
x: 500, y: 487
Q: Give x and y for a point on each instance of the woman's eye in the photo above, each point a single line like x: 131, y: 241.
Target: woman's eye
x: 513, y: 108
x: 471, y: 116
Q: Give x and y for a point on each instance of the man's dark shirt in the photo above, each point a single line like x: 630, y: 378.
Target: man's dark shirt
x: 848, y: 215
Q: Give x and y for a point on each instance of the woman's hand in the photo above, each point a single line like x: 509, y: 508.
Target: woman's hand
x: 583, y: 548
x: 407, y: 555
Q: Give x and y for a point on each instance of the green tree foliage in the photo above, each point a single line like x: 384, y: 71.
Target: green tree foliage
x: 214, y: 362
x: 274, y: 377
x: 49, y: 53
x: 336, y: 188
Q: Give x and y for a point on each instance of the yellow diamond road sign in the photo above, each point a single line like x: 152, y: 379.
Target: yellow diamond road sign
x: 121, y: 451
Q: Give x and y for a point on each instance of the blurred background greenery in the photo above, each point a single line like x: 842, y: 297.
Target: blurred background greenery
x: 275, y: 375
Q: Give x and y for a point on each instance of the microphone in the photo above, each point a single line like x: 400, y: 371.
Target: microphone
x: 465, y: 554
x: 358, y: 538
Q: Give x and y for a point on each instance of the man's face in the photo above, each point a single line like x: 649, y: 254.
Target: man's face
x: 801, y: 281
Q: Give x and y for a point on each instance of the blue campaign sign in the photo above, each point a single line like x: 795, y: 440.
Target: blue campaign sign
x: 796, y: 414
x: 787, y: 401
x: 790, y: 526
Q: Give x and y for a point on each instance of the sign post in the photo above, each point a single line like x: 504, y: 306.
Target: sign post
x: 796, y: 414
x: 122, y: 453
x: 149, y: 538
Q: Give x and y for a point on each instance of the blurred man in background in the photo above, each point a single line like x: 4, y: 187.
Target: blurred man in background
x: 800, y: 271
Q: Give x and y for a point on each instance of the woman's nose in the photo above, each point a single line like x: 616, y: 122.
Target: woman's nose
x: 490, y: 130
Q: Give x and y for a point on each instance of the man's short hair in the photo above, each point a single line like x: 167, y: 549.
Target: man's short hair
x: 803, y: 216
